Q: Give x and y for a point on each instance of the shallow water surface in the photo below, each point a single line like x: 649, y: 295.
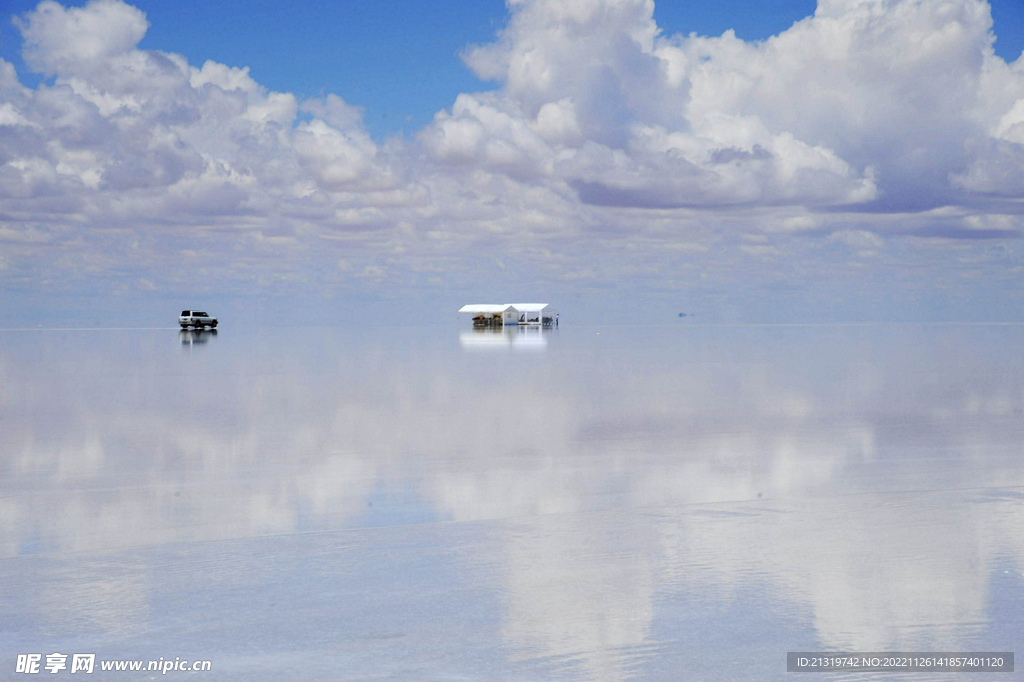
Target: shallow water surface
x: 585, y: 503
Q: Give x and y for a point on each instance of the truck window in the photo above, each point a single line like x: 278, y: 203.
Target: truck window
x: 185, y: 313
x: 198, y: 314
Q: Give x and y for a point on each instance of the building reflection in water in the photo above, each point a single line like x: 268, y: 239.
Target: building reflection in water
x: 653, y: 490
x: 513, y: 337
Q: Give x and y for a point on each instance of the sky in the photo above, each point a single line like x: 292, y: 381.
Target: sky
x: 786, y: 161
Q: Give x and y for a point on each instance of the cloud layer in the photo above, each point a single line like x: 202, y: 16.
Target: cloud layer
x: 608, y: 152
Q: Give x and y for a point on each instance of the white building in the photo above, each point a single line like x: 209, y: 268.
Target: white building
x: 535, y: 313
x: 491, y: 314
x: 501, y: 314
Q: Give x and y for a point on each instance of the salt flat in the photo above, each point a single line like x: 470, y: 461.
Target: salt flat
x: 593, y: 503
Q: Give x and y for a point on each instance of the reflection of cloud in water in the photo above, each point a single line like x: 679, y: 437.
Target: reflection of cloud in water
x: 878, y: 572
x: 564, y: 604
x: 764, y: 462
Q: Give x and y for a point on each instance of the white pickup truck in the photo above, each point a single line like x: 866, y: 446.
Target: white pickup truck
x: 194, y: 318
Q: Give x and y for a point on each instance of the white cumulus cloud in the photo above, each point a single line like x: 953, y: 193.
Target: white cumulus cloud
x: 608, y: 147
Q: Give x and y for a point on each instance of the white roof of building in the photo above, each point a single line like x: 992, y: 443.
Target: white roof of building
x: 529, y: 307
x: 487, y: 308
x: 484, y: 308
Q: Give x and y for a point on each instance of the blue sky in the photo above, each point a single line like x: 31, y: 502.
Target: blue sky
x: 865, y: 162
x: 316, y: 48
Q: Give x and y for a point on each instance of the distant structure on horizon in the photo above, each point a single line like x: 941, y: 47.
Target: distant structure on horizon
x: 503, y: 314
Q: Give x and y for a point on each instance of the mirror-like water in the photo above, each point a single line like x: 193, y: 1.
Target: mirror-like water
x: 593, y: 503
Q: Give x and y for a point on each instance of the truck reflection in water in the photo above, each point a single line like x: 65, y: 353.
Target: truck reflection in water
x: 517, y: 338
x: 195, y: 337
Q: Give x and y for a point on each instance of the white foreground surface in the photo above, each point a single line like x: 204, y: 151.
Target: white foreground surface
x: 664, y: 503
